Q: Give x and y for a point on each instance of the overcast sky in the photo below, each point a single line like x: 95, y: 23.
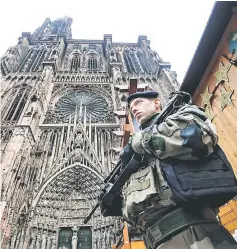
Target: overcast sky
x: 173, y: 27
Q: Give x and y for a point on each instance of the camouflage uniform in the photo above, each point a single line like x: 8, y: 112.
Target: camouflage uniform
x: 183, y: 135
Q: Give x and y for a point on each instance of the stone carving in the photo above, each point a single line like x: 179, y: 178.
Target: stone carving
x: 38, y: 241
x: 33, y: 238
x: 46, y: 73
x: 116, y: 74
x: 112, y: 56
x: 10, y: 58
x: 53, y: 242
x: 44, y: 240
x: 84, y: 52
x: 112, y: 234
x: 82, y: 104
x: 19, y: 131
x: 96, y: 239
x: 74, y: 240
x: 49, y: 241
x: 61, y: 163
x: 31, y: 107
x: 55, y: 55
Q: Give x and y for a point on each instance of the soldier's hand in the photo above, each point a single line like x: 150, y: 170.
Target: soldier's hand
x: 115, y: 209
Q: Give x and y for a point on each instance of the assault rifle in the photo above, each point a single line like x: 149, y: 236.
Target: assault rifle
x: 120, y: 174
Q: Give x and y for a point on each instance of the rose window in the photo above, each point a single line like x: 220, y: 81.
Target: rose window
x: 75, y: 103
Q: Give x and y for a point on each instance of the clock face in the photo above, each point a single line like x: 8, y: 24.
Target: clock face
x: 82, y: 103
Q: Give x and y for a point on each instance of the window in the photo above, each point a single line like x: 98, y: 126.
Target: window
x: 17, y: 105
x: 92, y: 64
x: 75, y: 65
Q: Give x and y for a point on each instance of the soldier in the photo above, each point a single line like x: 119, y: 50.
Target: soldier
x: 187, y: 136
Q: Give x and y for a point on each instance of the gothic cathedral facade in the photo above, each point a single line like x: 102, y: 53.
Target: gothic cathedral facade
x: 61, y: 100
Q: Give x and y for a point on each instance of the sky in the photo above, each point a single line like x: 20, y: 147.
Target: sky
x: 173, y: 27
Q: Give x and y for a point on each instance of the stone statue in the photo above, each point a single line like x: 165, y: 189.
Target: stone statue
x: 96, y: 238
x: 53, y: 243
x: 31, y: 106
x: 11, y: 58
x: 38, y: 242
x: 113, y: 234
x: 107, y: 238
x: 43, y: 244
x: 49, y: 241
x: 47, y: 31
x: 103, y: 234
x: 112, y: 56
x: 33, y: 238
x: 74, y: 241
x: 23, y: 47
x: 54, y: 55
x: 116, y: 73
x: 46, y: 73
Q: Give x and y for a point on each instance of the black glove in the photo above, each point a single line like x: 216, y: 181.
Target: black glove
x: 115, y: 208
x: 126, y: 154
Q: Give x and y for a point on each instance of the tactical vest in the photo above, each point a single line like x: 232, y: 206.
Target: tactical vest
x: 208, y: 182
x: 146, y: 194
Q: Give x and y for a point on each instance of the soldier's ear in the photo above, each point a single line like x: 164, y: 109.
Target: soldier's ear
x: 157, y: 103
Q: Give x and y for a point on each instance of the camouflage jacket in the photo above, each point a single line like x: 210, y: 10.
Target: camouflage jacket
x: 187, y: 135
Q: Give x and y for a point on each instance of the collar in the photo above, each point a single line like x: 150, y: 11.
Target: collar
x: 147, y: 122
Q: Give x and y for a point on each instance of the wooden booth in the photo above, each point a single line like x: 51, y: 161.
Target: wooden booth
x: 212, y: 81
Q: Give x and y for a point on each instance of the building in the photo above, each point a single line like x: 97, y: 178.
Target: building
x: 211, y: 79
x: 63, y: 102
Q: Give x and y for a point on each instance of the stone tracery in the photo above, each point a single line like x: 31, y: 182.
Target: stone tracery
x: 96, y: 106
x: 65, y: 137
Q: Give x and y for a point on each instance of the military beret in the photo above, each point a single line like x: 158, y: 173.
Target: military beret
x: 148, y: 95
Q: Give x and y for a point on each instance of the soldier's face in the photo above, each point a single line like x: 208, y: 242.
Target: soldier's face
x: 143, y: 108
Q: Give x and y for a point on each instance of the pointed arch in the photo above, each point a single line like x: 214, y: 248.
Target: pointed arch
x: 92, y: 64
x: 17, y: 101
x: 49, y: 180
x: 75, y: 60
x: 87, y: 78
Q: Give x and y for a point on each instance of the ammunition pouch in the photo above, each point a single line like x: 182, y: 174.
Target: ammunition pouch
x: 172, y: 224
x: 209, y: 182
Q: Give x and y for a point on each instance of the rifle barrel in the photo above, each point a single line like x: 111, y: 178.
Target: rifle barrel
x: 88, y: 217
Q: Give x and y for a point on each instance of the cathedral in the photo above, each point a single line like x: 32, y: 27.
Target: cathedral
x: 62, y: 106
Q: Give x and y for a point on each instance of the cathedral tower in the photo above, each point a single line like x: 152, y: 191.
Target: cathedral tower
x: 60, y: 132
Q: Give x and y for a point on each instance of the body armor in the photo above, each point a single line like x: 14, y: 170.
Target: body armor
x: 146, y: 194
